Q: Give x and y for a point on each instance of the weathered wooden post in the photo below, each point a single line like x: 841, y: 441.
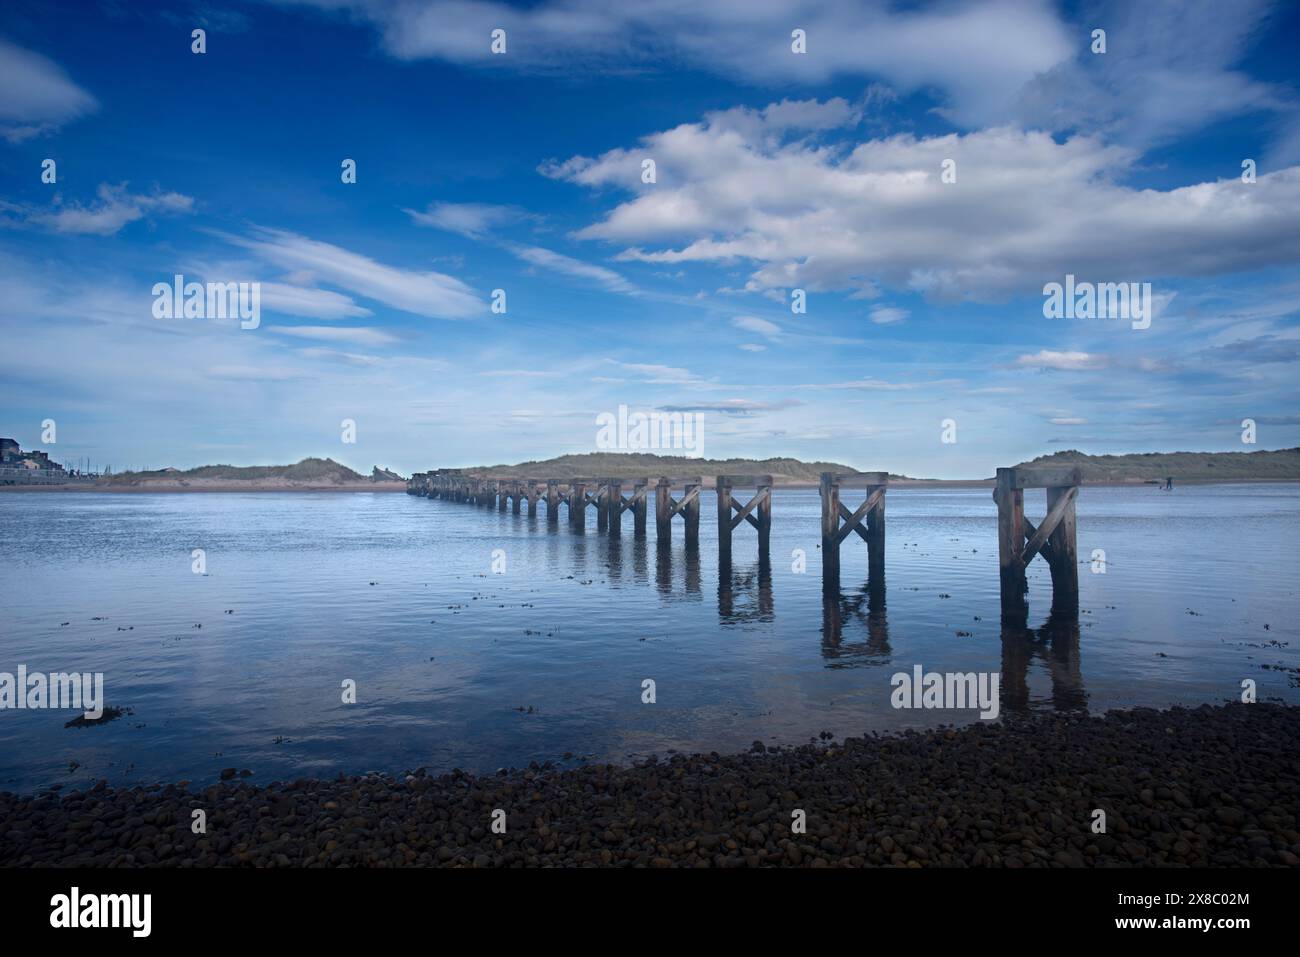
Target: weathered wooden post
x: 639, y: 508
x: 1064, y: 547
x: 552, y: 501
x: 1055, y: 539
x: 876, y: 542
x: 516, y: 493
x: 830, y: 493
x: 760, y: 503
x: 663, y: 511
x: 614, y: 507
x: 577, y: 505
x: 602, y: 505
x: 691, y: 506
x: 872, y: 532
x: 723, y: 488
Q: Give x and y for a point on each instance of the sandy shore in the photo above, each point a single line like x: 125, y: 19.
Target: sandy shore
x: 1209, y: 786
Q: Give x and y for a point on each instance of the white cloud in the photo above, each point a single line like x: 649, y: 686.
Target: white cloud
x: 361, y: 336
x: 1050, y: 359
x: 884, y: 315
x: 1025, y: 210
x: 432, y: 294
x: 977, y: 55
x: 116, y: 207
x: 555, y: 262
x: 305, y: 301
x: 754, y: 324
x: 36, y: 95
x: 1168, y: 69
x: 469, y: 219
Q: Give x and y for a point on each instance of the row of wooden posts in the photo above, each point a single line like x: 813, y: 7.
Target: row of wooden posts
x: 1019, y: 541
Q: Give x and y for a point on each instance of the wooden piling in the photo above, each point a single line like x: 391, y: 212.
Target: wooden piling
x: 577, y: 505
x: 663, y: 511
x: 1055, y: 539
x: 688, y: 507
x: 867, y: 522
x: 723, y: 488
x: 552, y: 501
x: 602, y: 506
x: 639, y: 507
x: 757, y: 512
x: 614, y: 507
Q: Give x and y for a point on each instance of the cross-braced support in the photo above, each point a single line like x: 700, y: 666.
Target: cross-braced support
x: 615, y: 505
x: 868, y: 521
x: 688, y: 507
x: 758, y: 512
x: 1019, y: 541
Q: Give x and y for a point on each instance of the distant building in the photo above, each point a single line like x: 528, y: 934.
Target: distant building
x: 12, y: 456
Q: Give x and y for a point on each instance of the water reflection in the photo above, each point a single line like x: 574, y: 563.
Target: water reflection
x: 865, y: 606
x: 745, y: 594
x: 666, y: 558
x: 1056, y: 644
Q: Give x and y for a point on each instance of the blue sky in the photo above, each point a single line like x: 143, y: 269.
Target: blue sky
x: 521, y: 171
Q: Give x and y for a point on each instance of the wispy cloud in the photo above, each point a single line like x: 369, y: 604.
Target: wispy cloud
x: 566, y: 265
x: 475, y: 220
x: 115, y: 208
x: 423, y: 293
x: 1052, y: 359
x: 36, y: 95
x: 361, y: 336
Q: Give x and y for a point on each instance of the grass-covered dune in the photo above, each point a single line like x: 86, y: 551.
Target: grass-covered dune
x: 1282, y: 464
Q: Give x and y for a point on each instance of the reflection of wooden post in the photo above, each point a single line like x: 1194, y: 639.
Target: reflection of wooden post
x: 614, y: 507
x: 830, y: 492
x: 663, y: 512
x: 724, y: 521
x: 639, y: 508
x: 691, y: 504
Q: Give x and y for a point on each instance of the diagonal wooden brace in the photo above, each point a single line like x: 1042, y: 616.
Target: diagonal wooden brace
x: 853, y: 522
x: 1044, y: 531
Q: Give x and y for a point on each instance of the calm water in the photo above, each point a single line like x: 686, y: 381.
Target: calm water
x: 397, y: 593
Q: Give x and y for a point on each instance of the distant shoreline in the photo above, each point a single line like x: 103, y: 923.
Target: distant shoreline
x: 254, y: 486
x: 211, y: 486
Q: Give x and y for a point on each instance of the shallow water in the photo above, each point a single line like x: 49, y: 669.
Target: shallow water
x: 398, y: 594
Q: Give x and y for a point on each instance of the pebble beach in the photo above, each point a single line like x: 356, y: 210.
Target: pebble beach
x: 1205, y: 786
